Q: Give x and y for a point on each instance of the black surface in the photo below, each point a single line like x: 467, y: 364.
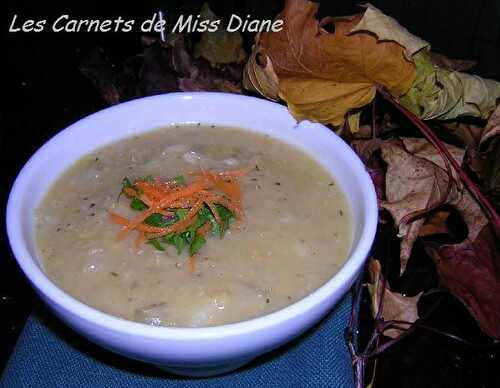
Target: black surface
x: 43, y: 92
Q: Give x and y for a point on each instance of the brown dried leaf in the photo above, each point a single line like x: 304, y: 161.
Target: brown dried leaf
x: 322, y: 75
x: 467, y: 134
x: 259, y: 76
x: 395, y: 306
x: 492, y: 128
x: 451, y: 64
x: 435, y: 224
x: 417, y: 182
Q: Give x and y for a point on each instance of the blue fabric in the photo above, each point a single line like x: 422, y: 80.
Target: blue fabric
x: 50, y: 355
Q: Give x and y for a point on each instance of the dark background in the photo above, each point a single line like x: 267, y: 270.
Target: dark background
x: 43, y: 92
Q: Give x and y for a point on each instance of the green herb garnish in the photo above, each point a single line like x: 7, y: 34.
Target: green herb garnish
x: 196, y: 245
x: 137, y: 204
x: 156, y: 244
x: 180, y: 180
x: 126, y: 183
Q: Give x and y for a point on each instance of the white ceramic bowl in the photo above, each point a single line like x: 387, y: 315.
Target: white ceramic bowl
x: 190, y: 351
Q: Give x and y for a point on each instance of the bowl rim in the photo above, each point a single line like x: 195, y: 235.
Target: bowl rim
x: 43, y: 284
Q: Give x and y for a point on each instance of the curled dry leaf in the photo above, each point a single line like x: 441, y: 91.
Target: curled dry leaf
x: 492, y: 128
x: 395, y: 306
x: 466, y: 134
x: 365, y: 149
x: 259, y: 76
x: 471, y: 272
x: 324, y: 75
x: 388, y: 29
x: 416, y: 182
x: 162, y: 67
x: 438, y: 93
x: 451, y: 64
x: 435, y: 224
x: 221, y: 46
x: 492, y: 174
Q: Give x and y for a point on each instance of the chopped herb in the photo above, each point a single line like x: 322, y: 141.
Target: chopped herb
x: 169, y: 238
x: 137, y: 204
x: 196, y: 245
x: 226, y: 216
x: 156, y: 244
x: 181, y: 213
x: 179, y: 243
x: 180, y: 180
x: 126, y: 182
x: 147, y: 178
x: 159, y: 220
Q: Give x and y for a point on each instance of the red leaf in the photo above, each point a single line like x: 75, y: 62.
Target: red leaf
x: 471, y: 272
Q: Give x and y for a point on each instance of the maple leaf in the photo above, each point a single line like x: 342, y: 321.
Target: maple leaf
x: 395, y: 306
x: 323, y: 75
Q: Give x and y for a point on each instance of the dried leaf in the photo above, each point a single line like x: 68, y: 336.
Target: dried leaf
x: 259, y: 76
x: 491, y: 181
x: 155, y: 75
x: 451, y: 64
x: 435, y: 224
x: 388, y: 29
x: 220, y: 46
x: 322, y: 75
x: 467, y: 134
x: 114, y: 83
x: 492, y: 128
x: 365, y: 149
x: 395, y: 306
x: 417, y: 182
x: 471, y: 272
x: 438, y: 93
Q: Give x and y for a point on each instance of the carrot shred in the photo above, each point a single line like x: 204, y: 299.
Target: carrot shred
x: 191, y: 264
x: 202, y: 231
x: 140, y: 240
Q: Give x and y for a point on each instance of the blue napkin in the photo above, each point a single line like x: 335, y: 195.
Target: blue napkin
x: 48, y: 354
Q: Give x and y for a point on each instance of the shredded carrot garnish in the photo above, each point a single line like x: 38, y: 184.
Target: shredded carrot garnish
x: 164, y: 198
x: 191, y: 264
x: 204, y: 229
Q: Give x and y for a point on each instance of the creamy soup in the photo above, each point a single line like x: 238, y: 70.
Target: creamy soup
x: 295, y: 235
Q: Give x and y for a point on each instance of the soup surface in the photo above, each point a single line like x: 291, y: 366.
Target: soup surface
x: 295, y: 235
